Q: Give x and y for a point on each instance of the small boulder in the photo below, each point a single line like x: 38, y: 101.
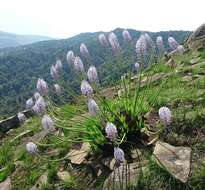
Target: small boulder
x: 124, y: 176
x: 6, y: 185
x: 175, y: 159
x: 197, y: 39
x: 78, y: 156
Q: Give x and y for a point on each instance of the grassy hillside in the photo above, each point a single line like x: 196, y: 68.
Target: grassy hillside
x: 20, y: 67
x: 183, y: 93
x: 13, y: 40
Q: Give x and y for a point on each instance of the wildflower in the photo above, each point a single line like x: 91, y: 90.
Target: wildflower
x: 47, y: 123
x: 141, y: 48
x: 180, y: 49
x: 149, y: 42
x: 86, y: 89
x: 119, y: 155
x: 58, y: 66
x: 103, y: 40
x: 93, y: 107
x: 114, y: 42
x: 165, y: 115
x: 70, y: 57
x: 36, y: 96
x: 78, y: 65
x: 160, y: 45
x: 21, y: 117
x: 137, y: 66
x: 31, y: 148
x: 172, y: 43
x: 84, y: 50
x: 126, y: 36
x: 92, y: 74
x: 40, y: 106
x: 42, y: 86
x: 57, y: 89
x: 145, y: 47
x: 54, y: 73
x: 29, y: 103
x: 111, y: 131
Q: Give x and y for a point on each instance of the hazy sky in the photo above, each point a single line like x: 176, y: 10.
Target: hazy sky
x: 65, y: 18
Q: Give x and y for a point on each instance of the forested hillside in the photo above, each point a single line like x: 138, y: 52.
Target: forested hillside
x: 13, y: 40
x: 21, y: 66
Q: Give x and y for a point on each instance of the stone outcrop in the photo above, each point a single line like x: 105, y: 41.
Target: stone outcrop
x: 175, y: 159
x: 13, y: 122
x: 77, y: 156
x: 197, y: 39
x: 6, y: 185
x: 124, y: 176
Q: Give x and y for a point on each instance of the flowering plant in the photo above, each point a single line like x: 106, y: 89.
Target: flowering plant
x: 116, y: 122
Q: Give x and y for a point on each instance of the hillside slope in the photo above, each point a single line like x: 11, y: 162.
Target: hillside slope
x: 20, y: 67
x: 13, y: 40
x: 183, y: 93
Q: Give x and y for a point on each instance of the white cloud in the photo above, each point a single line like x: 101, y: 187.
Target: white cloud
x: 64, y: 18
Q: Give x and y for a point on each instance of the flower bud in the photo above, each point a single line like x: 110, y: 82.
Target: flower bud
x: 126, y: 36
x: 160, y: 45
x: 180, y: 49
x: 114, y: 42
x: 42, y: 86
x: 58, y: 66
x: 92, y: 74
x: 29, y: 103
x: 83, y: 50
x: 141, y: 48
x: 70, y: 57
x: 86, y: 89
x: 36, y: 96
x: 40, y: 106
x: 31, y: 148
x: 111, y: 131
x: 103, y: 40
x: 57, y: 89
x: 149, y: 42
x: 47, y: 123
x: 93, y: 107
x: 119, y: 155
x: 21, y: 117
x: 137, y: 66
x: 78, y: 65
x: 172, y: 43
x: 165, y: 115
x: 54, y: 73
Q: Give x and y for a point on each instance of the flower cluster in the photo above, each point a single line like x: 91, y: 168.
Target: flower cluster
x: 114, y: 42
x: 160, y: 45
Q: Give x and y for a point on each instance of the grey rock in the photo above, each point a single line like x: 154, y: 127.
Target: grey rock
x: 197, y: 38
x: 124, y: 176
x: 6, y: 185
x: 13, y: 121
x: 78, y: 156
x: 175, y: 159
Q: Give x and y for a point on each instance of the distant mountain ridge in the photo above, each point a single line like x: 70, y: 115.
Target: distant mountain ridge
x: 21, y: 66
x: 14, y: 40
